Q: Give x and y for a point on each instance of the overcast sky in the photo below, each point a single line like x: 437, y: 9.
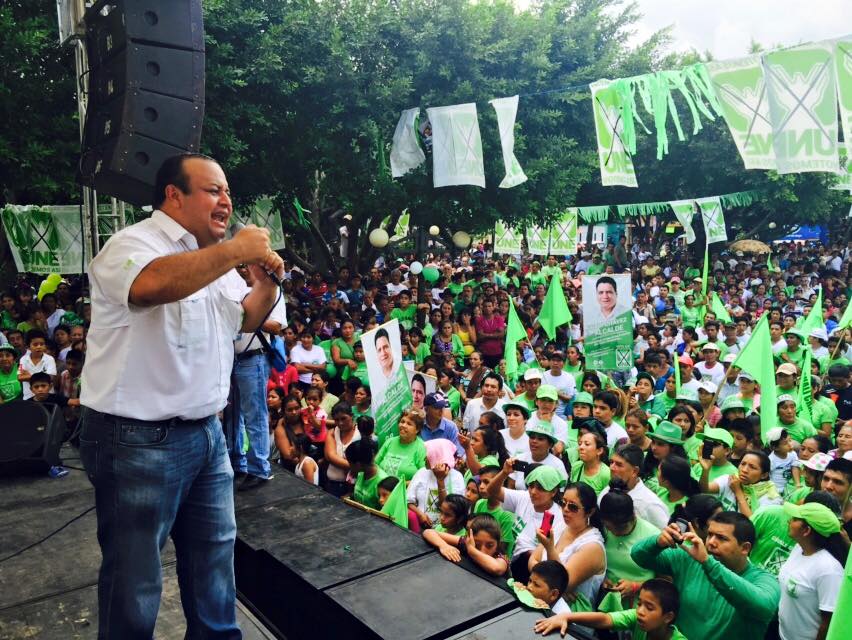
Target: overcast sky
x: 726, y: 27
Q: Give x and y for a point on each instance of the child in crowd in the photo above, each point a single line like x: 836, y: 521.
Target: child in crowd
x: 41, y: 385
x: 548, y: 581
x: 386, y: 486
x: 361, y: 458
x: 493, y: 507
x: 314, y: 418
x: 429, y: 486
x: 454, y: 510
x: 68, y: 383
x: 35, y: 361
x: 783, y: 461
x: 482, y: 544
x: 10, y: 386
x: 653, y: 618
x: 306, y: 467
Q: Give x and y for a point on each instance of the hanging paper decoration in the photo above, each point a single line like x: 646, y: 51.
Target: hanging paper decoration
x: 507, y: 110
x: 641, y: 209
x: 684, y: 211
x: 800, y: 87
x: 614, y: 154
x: 456, y: 146
x: 844, y: 177
x: 563, y: 234
x: 406, y: 153
x: 739, y: 198
x: 594, y: 214
x: 741, y: 91
x: 714, y: 219
x: 505, y: 239
x: 538, y: 241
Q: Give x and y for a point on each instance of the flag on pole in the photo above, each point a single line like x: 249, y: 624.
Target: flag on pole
x: 756, y: 359
x: 841, y: 621
x: 514, y: 331
x: 814, y: 319
x: 554, y: 312
x: 396, y: 505
x: 677, y: 375
x: 806, y: 396
x: 846, y: 319
x: 719, y: 309
x: 772, y: 268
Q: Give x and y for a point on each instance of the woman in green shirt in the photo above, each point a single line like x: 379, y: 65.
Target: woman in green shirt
x: 343, y: 349
x: 689, y: 313
x: 594, y: 469
x: 404, y: 455
x: 360, y: 456
x: 363, y: 399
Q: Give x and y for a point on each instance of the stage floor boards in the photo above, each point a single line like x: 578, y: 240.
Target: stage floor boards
x: 50, y: 591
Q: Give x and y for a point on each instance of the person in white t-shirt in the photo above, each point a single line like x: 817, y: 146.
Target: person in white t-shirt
x: 541, y: 438
x: 564, y: 383
x: 626, y: 465
x: 710, y: 368
x: 514, y: 435
x: 529, y: 508
x: 307, y: 358
x: 811, y: 577
x: 604, y: 410
x: 35, y: 361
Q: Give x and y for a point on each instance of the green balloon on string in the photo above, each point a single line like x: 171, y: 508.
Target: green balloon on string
x: 431, y: 274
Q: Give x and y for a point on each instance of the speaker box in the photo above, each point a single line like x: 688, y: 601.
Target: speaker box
x: 146, y: 92
x: 30, y: 438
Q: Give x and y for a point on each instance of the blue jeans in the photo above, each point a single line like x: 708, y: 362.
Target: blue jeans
x: 154, y: 479
x: 252, y: 374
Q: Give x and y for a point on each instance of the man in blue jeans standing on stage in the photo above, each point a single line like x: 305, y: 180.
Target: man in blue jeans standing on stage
x: 166, y: 305
x: 251, y: 370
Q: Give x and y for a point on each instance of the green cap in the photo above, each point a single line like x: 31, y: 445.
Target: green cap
x: 547, y: 477
x: 719, y: 435
x: 796, y: 332
x: 524, y: 409
x: 667, y: 432
x: 819, y: 517
x: 584, y: 397
x: 686, y: 394
x: 732, y: 402
x: 544, y: 428
x: 547, y: 391
x: 8, y: 347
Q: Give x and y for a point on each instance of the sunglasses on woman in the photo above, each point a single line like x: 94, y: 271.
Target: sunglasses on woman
x: 573, y: 507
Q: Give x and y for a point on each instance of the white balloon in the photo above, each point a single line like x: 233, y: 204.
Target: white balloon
x: 415, y: 268
x: 434, y: 230
x: 461, y: 239
x: 379, y: 238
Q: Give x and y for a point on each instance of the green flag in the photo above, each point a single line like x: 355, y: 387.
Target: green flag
x: 397, y: 505
x: 769, y: 265
x: 846, y: 319
x: 677, y: 375
x: 514, y: 331
x: 814, y: 318
x: 841, y: 621
x: 756, y: 359
x: 719, y: 309
x: 705, y: 275
x: 806, y: 396
x: 554, y: 312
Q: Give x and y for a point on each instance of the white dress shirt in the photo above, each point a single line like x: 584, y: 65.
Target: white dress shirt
x: 165, y: 361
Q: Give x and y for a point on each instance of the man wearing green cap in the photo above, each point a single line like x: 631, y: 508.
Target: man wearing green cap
x: 733, y: 408
x: 810, y: 579
x: 719, y: 447
x: 794, y: 353
x: 541, y: 439
x: 547, y: 399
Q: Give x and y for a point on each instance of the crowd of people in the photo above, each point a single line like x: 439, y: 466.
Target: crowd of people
x: 621, y: 500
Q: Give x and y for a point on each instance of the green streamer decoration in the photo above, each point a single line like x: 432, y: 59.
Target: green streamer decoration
x: 300, y: 213
x: 594, y: 214
x: 602, y: 213
x: 740, y: 198
x: 641, y: 209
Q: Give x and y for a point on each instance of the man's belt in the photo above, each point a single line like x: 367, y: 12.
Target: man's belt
x: 245, y: 355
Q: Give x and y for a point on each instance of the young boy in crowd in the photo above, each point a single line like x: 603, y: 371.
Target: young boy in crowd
x: 41, y: 386
x: 36, y: 361
x: 10, y: 386
x: 653, y: 618
x: 548, y: 581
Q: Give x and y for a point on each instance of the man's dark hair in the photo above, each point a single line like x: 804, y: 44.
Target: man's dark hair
x: 665, y: 592
x: 75, y: 355
x: 35, y: 334
x: 553, y: 573
x: 608, y: 398
x: 381, y: 333
x: 632, y: 454
x: 743, y: 527
x: 493, y: 376
x: 653, y: 358
x: 41, y: 376
x: 606, y: 280
x: 171, y: 172
x: 841, y: 465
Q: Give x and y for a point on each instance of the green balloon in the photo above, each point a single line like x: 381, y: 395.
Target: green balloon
x: 431, y: 274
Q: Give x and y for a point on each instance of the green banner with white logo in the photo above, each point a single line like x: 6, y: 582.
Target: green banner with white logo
x: 46, y: 239
x: 615, y: 160
x: 684, y: 211
x: 800, y: 89
x: 538, y: 241
x: 714, y: 219
x: 563, y: 234
x: 506, y: 239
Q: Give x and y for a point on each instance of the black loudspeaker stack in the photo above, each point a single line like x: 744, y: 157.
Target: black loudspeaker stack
x: 30, y: 437
x: 146, y: 92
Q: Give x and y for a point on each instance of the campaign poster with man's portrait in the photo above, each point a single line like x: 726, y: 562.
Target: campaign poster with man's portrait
x: 608, y: 322
x: 389, y: 386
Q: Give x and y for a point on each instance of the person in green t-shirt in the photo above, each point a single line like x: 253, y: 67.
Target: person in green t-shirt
x: 624, y: 529
x: 718, y: 444
x: 657, y: 607
x: 418, y: 349
x: 597, y: 267
x: 10, y: 386
x: 492, y: 506
x: 535, y: 276
x: 689, y: 313
x: 405, y: 312
x: 551, y: 269
x: 797, y: 428
x: 453, y: 513
x: 360, y: 455
x: 403, y: 455
x: 592, y: 470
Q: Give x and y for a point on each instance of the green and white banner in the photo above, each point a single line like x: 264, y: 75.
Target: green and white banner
x: 684, y: 211
x: 507, y: 110
x: 538, y: 241
x: 615, y: 161
x: 265, y: 215
x: 388, y: 381
x: 506, y: 240
x: 714, y: 219
x: 456, y: 146
x: 608, y: 322
x: 406, y: 153
x: 45, y: 239
x: 844, y: 177
x: 801, y: 90
x: 563, y: 234
x: 741, y: 91
x: 843, y: 73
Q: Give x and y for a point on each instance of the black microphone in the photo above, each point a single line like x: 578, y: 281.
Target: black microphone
x: 233, y: 229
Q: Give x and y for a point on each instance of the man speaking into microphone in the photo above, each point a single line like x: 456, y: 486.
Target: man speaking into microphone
x: 166, y: 306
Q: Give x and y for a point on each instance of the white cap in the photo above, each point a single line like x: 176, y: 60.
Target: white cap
x: 708, y: 385
x: 729, y: 358
x: 774, y: 435
x: 532, y: 374
x: 820, y: 333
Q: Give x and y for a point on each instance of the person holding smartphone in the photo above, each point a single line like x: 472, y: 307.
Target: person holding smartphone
x: 716, y: 447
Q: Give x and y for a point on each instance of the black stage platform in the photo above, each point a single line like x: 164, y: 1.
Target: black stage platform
x: 307, y: 565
